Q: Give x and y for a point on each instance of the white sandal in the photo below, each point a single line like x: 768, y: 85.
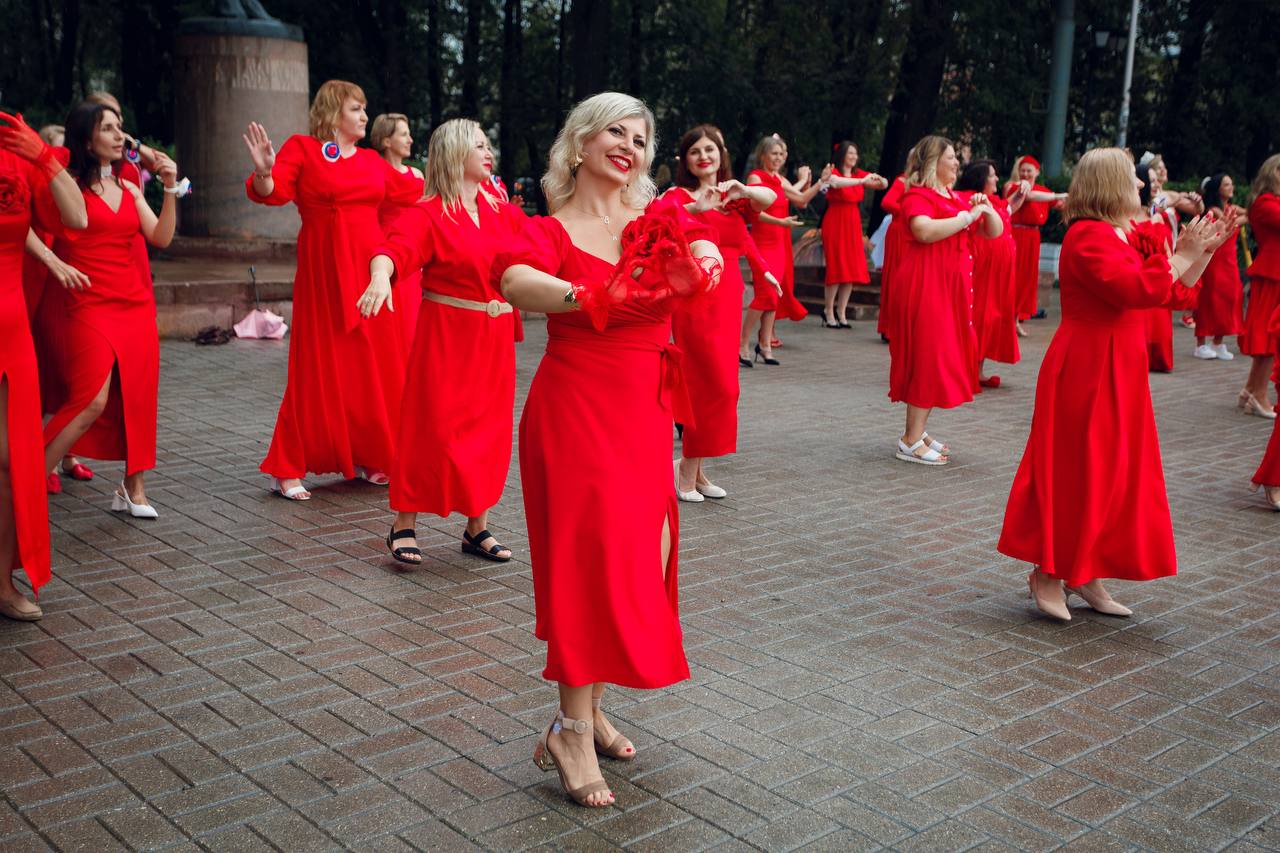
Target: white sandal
x: 919, y: 454
x: 293, y: 493
x: 376, y: 478
x: 935, y: 445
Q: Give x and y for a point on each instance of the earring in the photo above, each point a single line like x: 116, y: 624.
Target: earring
x: 577, y: 161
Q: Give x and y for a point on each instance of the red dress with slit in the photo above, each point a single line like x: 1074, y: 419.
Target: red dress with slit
x: 995, y: 289
x: 895, y: 239
x: 708, y: 333
x: 341, y: 405
x: 1264, y: 276
x: 1220, y: 311
x: 1026, y: 236
x: 23, y: 192
x: 774, y: 242
x: 453, y: 447
x: 1089, y: 499
x: 932, y: 347
x: 407, y: 291
x: 111, y: 333
x: 595, y: 468
x: 842, y: 245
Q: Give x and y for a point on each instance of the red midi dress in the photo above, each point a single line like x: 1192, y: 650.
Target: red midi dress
x: 454, y: 438
x: 995, y: 291
x: 774, y: 242
x: 1089, y: 499
x: 708, y: 334
x: 932, y: 347
x: 895, y: 239
x: 1264, y: 276
x: 595, y: 468
x: 407, y: 293
x: 1220, y: 311
x: 341, y: 405
x: 842, y: 245
x: 1026, y: 235
x: 23, y: 194
x: 1159, y: 323
x: 110, y: 332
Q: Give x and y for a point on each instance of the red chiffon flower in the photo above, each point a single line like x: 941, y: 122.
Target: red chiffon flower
x: 1149, y: 239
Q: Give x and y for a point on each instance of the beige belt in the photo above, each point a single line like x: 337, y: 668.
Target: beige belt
x: 493, y: 307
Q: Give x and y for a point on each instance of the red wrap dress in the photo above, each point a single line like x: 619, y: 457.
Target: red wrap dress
x: 1220, y: 311
x: 1264, y: 276
x: 774, y: 242
x: 407, y: 293
x: 895, y: 239
x: 341, y: 405
x: 454, y: 439
x: 23, y: 194
x: 1026, y: 236
x: 1089, y: 499
x: 708, y: 333
x: 595, y: 467
x: 110, y: 332
x: 995, y: 291
x: 842, y: 245
x: 932, y: 347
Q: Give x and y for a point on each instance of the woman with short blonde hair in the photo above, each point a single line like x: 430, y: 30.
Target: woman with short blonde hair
x: 1264, y: 288
x: 390, y: 137
x: 1088, y: 501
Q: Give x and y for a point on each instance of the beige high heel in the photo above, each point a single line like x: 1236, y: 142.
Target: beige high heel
x: 619, y: 748
x: 1249, y: 405
x: 1271, y: 494
x: 1099, y: 599
x: 546, y: 761
x: 1049, y: 607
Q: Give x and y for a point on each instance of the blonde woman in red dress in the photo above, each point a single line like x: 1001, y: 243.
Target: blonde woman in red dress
x: 708, y: 333
x: 341, y: 401
x: 932, y: 346
x: 1089, y: 501
x: 389, y: 135
x: 1264, y: 289
x: 454, y: 444
x: 1220, y: 309
x: 842, y: 239
x: 112, y: 350
x: 596, y: 436
x: 34, y: 189
x: 1027, y: 221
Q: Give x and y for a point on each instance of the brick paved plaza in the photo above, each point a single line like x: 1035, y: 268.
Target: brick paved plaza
x: 248, y: 673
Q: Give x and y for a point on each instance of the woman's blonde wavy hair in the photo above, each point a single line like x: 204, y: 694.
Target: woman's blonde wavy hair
x: 1268, y: 178
x: 447, y: 152
x: 584, y: 121
x: 922, y: 161
x: 326, y: 107
x: 1101, y: 187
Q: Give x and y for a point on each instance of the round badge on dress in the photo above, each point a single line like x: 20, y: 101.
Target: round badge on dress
x: 132, y: 154
x: 331, y: 151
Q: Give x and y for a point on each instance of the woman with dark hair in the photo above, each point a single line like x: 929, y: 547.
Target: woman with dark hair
x: 112, y: 357
x: 34, y: 188
x: 1162, y: 222
x: 994, y: 272
x: 1220, y: 310
x: 708, y: 332
x: 842, y: 239
x: 390, y: 137
x: 341, y: 400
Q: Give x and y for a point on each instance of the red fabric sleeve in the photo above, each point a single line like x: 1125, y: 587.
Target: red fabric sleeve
x: 400, y: 191
x: 916, y: 204
x: 892, y: 197
x: 410, y: 242
x: 1115, y: 271
x: 284, y: 174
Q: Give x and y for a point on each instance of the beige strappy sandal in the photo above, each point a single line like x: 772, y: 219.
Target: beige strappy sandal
x: 546, y: 761
x: 619, y: 748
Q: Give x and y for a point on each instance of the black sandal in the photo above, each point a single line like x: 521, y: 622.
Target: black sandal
x: 403, y: 553
x: 471, y: 545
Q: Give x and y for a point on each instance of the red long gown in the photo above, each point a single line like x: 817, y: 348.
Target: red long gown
x: 454, y: 439
x: 1089, y: 500
x: 1220, y: 311
x: 932, y: 347
x: 407, y: 293
x: 1264, y: 276
x: 842, y: 245
x: 23, y: 193
x: 774, y: 242
x: 1159, y: 322
x: 995, y: 290
x: 111, y: 332
x: 895, y: 240
x: 341, y: 403
x: 1026, y: 235
x: 708, y: 334
x: 595, y: 467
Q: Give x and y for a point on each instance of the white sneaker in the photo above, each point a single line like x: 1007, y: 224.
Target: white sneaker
x: 1222, y: 352
x: 1205, y: 351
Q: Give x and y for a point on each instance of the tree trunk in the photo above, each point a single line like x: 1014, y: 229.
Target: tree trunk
x: 1184, y: 88
x: 635, y: 48
x: 64, y: 70
x: 510, y: 112
x: 589, y: 36
x: 470, y: 105
x: 435, y: 93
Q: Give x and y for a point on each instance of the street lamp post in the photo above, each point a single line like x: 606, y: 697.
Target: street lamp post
x: 1122, y: 135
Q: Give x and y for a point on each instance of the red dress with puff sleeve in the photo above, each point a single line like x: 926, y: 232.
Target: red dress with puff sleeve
x: 453, y: 447
x: 932, y: 348
x: 595, y: 468
x: 1089, y: 499
x: 995, y: 290
x: 895, y: 239
x: 341, y: 405
x: 23, y: 190
x: 407, y: 291
x: 774, y: 242
x: 842, y: 245
x: 1026, y: 236
x: 1264, y: 276
x: 708, y: 333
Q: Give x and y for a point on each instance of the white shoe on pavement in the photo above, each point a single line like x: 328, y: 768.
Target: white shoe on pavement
x: 1222, y: 352
x: 1205, y: 351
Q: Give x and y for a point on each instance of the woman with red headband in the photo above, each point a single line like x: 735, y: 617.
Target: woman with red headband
x: 842, y: 240
x: 1026, y: 232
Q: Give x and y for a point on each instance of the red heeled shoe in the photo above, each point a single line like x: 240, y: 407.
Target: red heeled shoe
x: 990, y: 382
x: 78, y: 471
x: 53, y: 484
